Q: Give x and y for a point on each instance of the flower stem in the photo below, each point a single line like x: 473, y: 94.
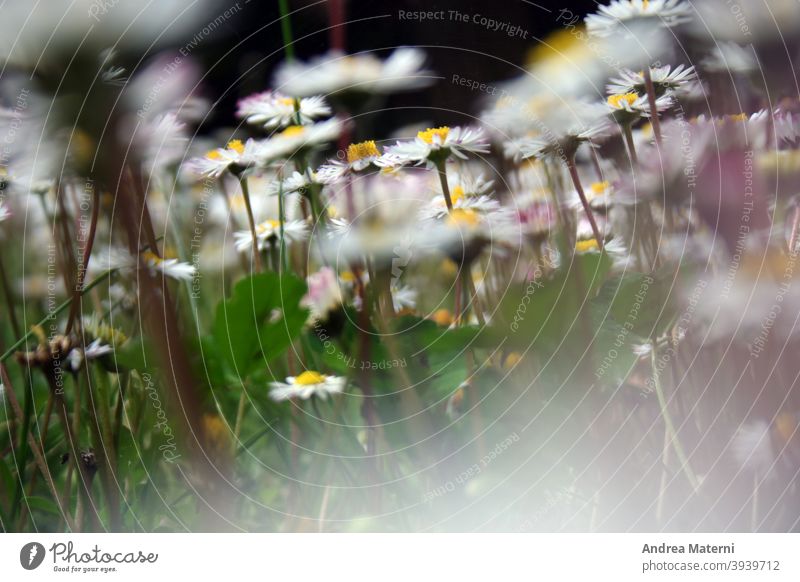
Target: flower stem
x: 252, y: 222
x: 626, y: 131
x: 651, y: 101
x: 83, y: 266
x: 283, y: 265
x: 440, y: 167
x: 286, y: 29
x: 573, y: 172
x: 668, y: 424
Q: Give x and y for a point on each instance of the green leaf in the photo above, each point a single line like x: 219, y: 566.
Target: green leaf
x: 547, y: 310
x: 263, y: 316
x: 643, y: 303
x: 8, y: 480
x: 135, y: 354
x: 43, y: 504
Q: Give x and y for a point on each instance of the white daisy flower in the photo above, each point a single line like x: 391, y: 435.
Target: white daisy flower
x: 557, y: 145
x: 598, y: 194
x: 461, y: 199
x: 536, y: 215
x: 360, y: 156
x: 464, y: 232
x: 787, y: 125
x: 296, y: 183
x: 642, y: 350
x: 162, y: 139
x: 750, y: 21
x: 730, y: 57
x: 620, y: 13
x: 269, y: 231
x: 435, y: 144
x: 628, y: 107
x: 306, y: 385
x: 614, y: 248
x: 169, y: 267
x: 114, y: 76
x: 235, y: 156
x: 404, y: 297
x: 93, y: 351
x: 273, y: 110
x: 295, y: 138
x: 362, y: 73
x: 665, y: 79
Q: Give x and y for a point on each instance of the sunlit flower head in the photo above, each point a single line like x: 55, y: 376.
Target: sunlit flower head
x: 598, y: 194
x: 306, y: 385
x: 463, y: 233
x: 335, y: 73
x: 273, y: 110
x: 172, y: 268
x: 296, y: 183
x: 268, y: 232
x: 621, y: 14
x: 665, y: 80
x: 563, y: 132
x: 467, y: 196
x: 359, y: 157
x: 297, y: 138
x: 628, y: 107
x: 436, y: 144
x: 235, y: 157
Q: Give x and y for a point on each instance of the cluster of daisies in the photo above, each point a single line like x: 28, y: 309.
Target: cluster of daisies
x: 568, y: 165
x: 556, y: 166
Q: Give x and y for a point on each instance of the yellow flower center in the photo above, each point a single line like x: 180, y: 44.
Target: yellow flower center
x: 268, y: 225
x: 457, y: 194
x: 448, y: 268
x: 213, y: 155
x: 442, y: 317
x: 428, y: 135
x: 360, y: 151
x: 463, y: 217
x: 236, y: 145
x: 293, y: 130
x: 309, y: 378
x: 645, y: 4
x: 739, y: 117
x: 598, y: 188
x: 150, y: 256
x: 286, y: 101
x: 512, y: 360
x: 589, y: 244
x: 619, y: 101
x: 348, y: 277
x: 786, y: 426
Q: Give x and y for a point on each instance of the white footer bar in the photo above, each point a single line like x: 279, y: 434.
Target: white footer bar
x: 401, y: 557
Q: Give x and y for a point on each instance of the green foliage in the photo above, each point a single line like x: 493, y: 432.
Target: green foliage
x: 259, y: 321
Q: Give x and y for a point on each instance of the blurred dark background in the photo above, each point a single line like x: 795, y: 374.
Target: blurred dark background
x: 242, y: 52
